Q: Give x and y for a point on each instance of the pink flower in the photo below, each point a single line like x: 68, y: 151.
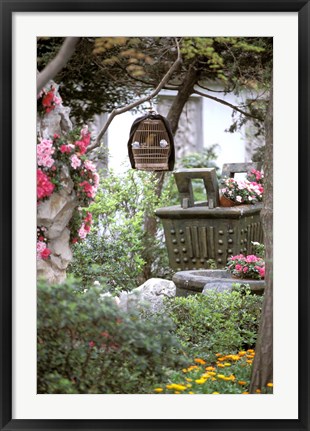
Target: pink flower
x: 252, y: 258
x: 91, y: 344
x: 237, y: 257
x: 44, y: 187
x: 88, y: 189
x: 85, y: 135
x: 75, y: 161
x: 45, y: 150
x: 261, y: 270
x: 245, y: 269
x: 82, y: 146
x: 89, y: 166
x: 65, y: 148
x: 45, y: 253
x: 238, y: 267
x: 41, y: 246
x: 82, y: 232
x: 42, y: 251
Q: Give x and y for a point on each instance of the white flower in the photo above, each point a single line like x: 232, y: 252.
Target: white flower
x: 238, y: 198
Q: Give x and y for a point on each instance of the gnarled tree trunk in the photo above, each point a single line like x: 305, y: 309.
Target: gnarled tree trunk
x: 262, y: 372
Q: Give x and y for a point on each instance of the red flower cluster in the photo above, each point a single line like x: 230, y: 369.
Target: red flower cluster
x: 44, y: 187
x: 50, y: 100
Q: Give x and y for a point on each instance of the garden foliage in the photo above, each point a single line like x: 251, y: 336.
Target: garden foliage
x: 113, y: 251
x: 217, y: 321
x: 87, y: 345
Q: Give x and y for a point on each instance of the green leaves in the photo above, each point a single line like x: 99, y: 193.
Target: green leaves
x: 225, y: 321
x: 87, y: 345
x: 114, y: 249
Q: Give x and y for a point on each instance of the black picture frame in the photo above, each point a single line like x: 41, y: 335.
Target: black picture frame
x: 7, y: 9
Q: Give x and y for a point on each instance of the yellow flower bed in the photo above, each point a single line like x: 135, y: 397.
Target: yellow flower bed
x: 229, y: 375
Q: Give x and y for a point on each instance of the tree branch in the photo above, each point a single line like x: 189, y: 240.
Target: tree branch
x: 223, y: 102
x: 138, y: 102
x: 215, y: 91
x: 61, y: 59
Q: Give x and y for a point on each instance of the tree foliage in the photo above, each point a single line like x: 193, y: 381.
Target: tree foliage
x: 107, y: 73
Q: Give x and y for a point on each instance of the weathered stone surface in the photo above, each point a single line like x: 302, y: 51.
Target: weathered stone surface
x: 150, y: 294
x: 200, y: 281
x: 56, y: 212
x: 50, y: 272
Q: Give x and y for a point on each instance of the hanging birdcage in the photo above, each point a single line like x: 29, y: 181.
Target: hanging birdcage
x: 150, y: 145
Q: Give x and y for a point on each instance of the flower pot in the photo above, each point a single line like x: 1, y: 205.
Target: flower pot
x: 226, y: 202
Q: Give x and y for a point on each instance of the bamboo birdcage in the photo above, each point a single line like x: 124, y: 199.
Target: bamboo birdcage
x: 151, y: 145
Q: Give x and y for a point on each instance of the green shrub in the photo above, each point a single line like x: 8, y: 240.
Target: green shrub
x: 115, y: 248
x: 87, y: 345
x: 217, y: 321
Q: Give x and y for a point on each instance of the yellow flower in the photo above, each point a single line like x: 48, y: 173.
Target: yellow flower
x: 215, y: 393
x: 234, y: 357
x: 192, y: 367
x: 222, y: 359
x: 258, y: 391
x: 205, y: 376
x: 200, y: 381
x: 221, y: 376
x: 249, y: 361
x: 270, y: 385
x: 241, y: 382
x: 251, y: 351
x: 242, y: 353
x: 184, y: 370
x: 177, y: 392
x: 245, y: 393
x: 227, y: 364
x: 158, y: 390
x: 213, y: 379
x: 221, y: 365
x: 211, y: 373
x: 232, y: 377
x: 188, y: 379
x: 176, y: 387
x: 210, y: 368
x: 200, y: 361
x: 191, y: 393
x: 218, y: 354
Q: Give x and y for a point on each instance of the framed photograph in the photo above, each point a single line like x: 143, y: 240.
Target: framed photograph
x: 43, y: 385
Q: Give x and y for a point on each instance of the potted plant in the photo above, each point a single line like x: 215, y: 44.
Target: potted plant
x: 238, y: 192
x: 249, y: 267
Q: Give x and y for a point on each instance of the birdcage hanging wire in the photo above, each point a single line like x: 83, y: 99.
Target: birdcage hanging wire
x: 150, y: 144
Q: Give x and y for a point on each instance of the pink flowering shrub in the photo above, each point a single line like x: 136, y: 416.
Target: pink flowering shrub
x: 43, y: 251
x: 243, y: 191
x: 44, y: 186
x: 256, y: 177
x: 52, y: 155
x: 250, y: 266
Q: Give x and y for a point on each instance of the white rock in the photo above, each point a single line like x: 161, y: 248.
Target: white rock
x: 150, y: 294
